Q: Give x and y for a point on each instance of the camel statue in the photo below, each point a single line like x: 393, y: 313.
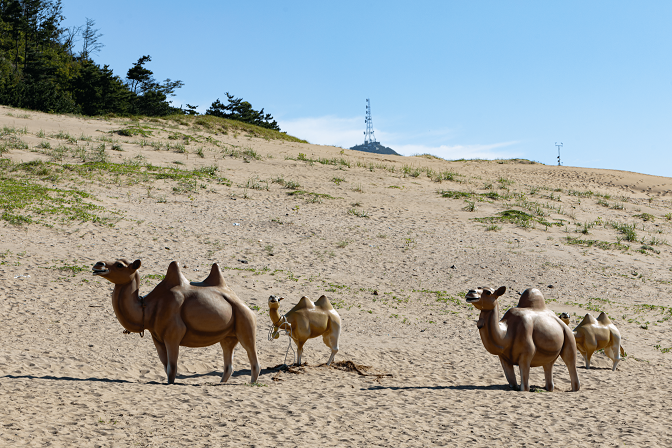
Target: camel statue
x: 307, y: 320
x: 529, y: 335
x: 565, y: 318
x: 592, y: 335
x: 178, y: 313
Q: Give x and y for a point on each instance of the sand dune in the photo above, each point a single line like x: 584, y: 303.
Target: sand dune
x: 373, y: 233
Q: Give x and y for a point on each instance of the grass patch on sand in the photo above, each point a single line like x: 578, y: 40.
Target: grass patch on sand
x: 358, y: 213
x: 335, y: 161
x: 491, y: 195
x: 71, y: 269
x: 627, y: 230
x: 210, y: 123
x: 131, y: 171
x: 310, y: 196
x: 24, y: 201
x: 646, y: 217
x: 606, y: 245
x: 518, y: 218
x: 25, y: 197
x: 132, y: 131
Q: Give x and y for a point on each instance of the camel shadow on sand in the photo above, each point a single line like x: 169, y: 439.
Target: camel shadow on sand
x: 503, y: 387
x: 455, y: 387
x: 139, y: 380
x: 594, y: 368
x: 215, y: 374
x: 66, y: 378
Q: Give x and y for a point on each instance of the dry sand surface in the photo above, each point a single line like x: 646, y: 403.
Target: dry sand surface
x: 373, y: 233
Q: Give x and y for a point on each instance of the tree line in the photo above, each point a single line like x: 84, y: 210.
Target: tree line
x: 42, y: 68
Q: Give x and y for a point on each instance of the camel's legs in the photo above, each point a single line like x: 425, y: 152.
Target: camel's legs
x: 568, y: 355
x: 299, y: 351
x: 614, y: 351
x: 510, y: 373
x: 524, y: 365
x: 173, y: 351
x: 330, y: 338
x: 548, y: 374
x: 172, y: 339
x: 331, y: 358
x: 228, y: 345
x: 163, y: 356
x: 248, y: 342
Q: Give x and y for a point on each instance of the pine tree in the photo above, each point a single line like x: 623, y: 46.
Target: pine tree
x: 240, y: 110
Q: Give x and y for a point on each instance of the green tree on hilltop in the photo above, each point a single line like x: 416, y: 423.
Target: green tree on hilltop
x: 151, y: 96
x: 240, y: 110
x: 40, y: 69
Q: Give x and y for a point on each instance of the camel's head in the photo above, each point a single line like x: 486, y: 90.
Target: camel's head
x: 274, y: 302
x: 118, y: 272
x: 565, y: 318
x: 484, y: 298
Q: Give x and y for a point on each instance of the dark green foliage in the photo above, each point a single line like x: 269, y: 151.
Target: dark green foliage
x: 97, y: 91
x: 138, y: 75
x: 151, y: 97
x: 518, y: 218
x: 31, y: 56
x: 39, y: 69
x: 190, y: 110
x: 240, y: 110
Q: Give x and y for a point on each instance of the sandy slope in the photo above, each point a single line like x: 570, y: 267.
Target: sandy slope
x: 69, y: 377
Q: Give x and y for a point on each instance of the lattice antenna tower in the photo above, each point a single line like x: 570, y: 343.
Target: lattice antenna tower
x: 368, y: 134
x: 559, y: 145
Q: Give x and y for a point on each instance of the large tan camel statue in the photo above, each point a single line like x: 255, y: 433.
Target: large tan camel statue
x: 592, y: 335
x: 178, y: 313
x: 529, y: 335
x: 307, y: 320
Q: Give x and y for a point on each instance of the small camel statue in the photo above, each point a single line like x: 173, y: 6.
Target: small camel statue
x: 178, y: 313
x: 592, y: 335
x: 307, y: 320
x: 529, y: 335
x: 565, y: 318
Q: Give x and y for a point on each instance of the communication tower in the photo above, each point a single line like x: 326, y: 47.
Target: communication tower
x: 368, y: 134
x: 559, y: 145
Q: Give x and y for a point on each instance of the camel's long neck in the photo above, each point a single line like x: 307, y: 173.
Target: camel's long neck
x: 492, y: 331
x: 275, y: 315
x: 127, y: 306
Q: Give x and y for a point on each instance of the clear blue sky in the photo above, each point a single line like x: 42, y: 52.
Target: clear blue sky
x: 488, y: 79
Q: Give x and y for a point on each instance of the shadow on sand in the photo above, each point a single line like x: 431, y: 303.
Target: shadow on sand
x: 66, y: 378
x: 457, y: 387
x: 138, y: 380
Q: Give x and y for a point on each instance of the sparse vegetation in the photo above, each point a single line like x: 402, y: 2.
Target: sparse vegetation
x: 470, y: 207
x: 358, y: 213
x: 627, y: 230
x: 646, y: 217
x: 518, y: 218
x: 24, y: 201
x: 596, y: 243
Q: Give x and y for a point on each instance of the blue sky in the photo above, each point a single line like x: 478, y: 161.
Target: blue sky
x: 468, y: 79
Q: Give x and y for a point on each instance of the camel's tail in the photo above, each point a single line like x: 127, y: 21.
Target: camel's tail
x: 623, y: 354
